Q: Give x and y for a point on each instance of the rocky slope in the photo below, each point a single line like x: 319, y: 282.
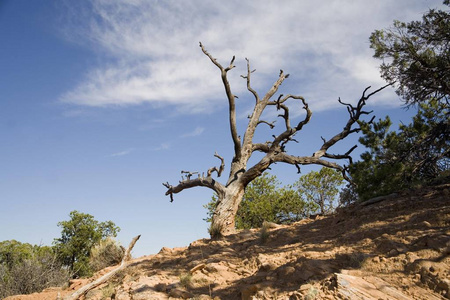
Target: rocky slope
x: 397, y: 248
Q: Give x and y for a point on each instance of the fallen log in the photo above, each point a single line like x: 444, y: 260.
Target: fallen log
x: 126, y: 258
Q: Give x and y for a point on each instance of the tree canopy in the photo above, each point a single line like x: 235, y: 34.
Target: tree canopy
x: 78, y: 236
x: 320, y: 188
x: 416, y: 55
x: 415, y: 154
x: 26, y: 268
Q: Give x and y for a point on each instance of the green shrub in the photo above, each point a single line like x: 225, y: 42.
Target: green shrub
x: 107, y: 253
x: 186, y: 280
x: 25, y: 269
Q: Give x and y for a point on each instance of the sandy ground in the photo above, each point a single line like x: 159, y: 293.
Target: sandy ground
x: 397, y: 248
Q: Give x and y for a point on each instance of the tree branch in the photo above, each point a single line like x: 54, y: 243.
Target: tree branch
x: 220, y: 170
x: 249, y: 88
x: 207, y: 181
x: 231, y: 101
x: 275, y: 150
x: 289, y: 133
x: 271, y: 125
x: 354, y: 115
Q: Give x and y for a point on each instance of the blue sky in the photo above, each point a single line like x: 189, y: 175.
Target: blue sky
x: 103, y: 101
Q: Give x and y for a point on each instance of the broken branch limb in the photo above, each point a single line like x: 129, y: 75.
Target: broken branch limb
x: 125, y: 261
x: 231, y: 101
x: 200, y: 181
x: 249, y: 88
x: 270, y: 124
x: 354, y: 115
x: 220, y: 170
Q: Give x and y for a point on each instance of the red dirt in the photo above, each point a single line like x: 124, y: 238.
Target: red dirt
x: 394, y: 249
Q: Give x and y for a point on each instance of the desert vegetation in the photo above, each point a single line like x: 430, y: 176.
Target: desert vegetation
x: 85, y: 246
x: 412, y: 160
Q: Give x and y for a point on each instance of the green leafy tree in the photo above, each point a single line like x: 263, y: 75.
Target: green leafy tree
x: 78, y: 236
x: 416, y: 55
x: 13, y: 252
x: 320, y: 188
x: 259, y: 203
x: 264, y: 200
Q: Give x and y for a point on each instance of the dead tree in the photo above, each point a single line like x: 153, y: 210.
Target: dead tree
x: 230, y: 194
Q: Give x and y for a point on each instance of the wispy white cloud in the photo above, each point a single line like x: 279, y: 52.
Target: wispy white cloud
x: 122, y: 153
x: 153, y: 53
x: 196, y: 132
x: 162, y: 146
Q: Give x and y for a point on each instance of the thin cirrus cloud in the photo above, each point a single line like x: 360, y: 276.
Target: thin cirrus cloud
x: 155, y: 58
x: 162, y: 146
x: 122, y: 153
x: 196, y: 132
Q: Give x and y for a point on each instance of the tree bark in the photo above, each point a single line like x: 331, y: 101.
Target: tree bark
x: 223, y: 221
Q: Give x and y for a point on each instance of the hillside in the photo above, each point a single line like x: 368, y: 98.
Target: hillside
x: 397, y: 248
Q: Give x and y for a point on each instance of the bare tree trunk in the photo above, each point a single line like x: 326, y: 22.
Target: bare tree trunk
x: 223, y: 220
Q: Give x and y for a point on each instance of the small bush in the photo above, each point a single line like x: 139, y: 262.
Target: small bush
x: 25, y: 276
x: 107, y: 253
x: 108, y: 291
x: 215, y: 231
x: 186, y: 280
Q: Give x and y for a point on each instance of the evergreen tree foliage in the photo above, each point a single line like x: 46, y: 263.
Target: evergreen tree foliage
x: 78, y: 236
x: 265, y: 200
x: 416, y: 154
x: 416, y: 55
x: 348, y: 195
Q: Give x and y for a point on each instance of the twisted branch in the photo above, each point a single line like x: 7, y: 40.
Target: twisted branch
x: 200, y: 181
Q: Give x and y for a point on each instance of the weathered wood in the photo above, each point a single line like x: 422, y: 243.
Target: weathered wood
x: 107, y: 276
x: 274, y: 150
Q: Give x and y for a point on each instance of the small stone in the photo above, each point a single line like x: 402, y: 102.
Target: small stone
x: 444, y: 284
x: 305, y: 288
x: 426, y: 224
x: 286, y: 271
x: 268, y: 266
x: 296, y: 296
x: 197, y: 267
x: 393, y: 252
x: 177, y: 293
